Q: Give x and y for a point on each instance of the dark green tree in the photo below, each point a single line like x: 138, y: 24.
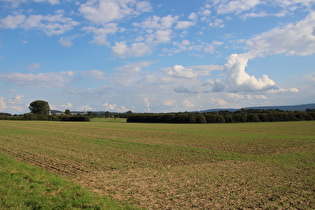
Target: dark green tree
x: 67, y: 112
x: 39, y: 107
x: 107, y: 114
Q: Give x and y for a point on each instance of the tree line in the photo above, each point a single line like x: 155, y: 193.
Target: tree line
x: 40, y: 110
x: 240, y: 116
x: 31, y: 116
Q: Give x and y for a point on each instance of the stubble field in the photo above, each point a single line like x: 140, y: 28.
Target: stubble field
x: 176, y: 166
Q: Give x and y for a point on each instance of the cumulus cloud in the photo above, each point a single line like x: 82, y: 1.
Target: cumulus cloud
x: 136, y: 49
x: 157, y: 22
x: 237, y: 97
x: 11, y: 21
x: 16, y: 3
x: 217, y: 23
x: 188, y: 103
x: 292, y: 39
x: 17, y: 99
x: 236, y: 6
x: 263, y: 14
x: 40, y: 80
x: 66, y: 42
x: 181, y: 71
x: 104, y: 11
x: 3, y: 104
x: 50, y: 24
x: 293, y: 4
x: 310, y: 77
x: 184, y: 24
x: 67, y: 105
x: 237, y: 79
x: 159, y: 36
x: 100, y: 34
x: 218, y: 102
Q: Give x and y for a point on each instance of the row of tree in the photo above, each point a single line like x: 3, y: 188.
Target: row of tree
x: 40, y: 110
x: 31, y: 116
x: 224, y: 117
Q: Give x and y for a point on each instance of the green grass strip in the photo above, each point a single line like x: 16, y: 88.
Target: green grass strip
x: 24, y: 186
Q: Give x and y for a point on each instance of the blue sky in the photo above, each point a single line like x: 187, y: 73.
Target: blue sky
x: 156, y: 56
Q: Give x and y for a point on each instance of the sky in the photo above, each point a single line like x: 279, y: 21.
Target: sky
x: 156, y: 55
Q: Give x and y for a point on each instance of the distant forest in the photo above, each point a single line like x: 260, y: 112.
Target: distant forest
x: 240, y: 116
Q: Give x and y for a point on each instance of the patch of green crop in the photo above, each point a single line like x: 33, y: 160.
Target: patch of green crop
x: 27, y: 187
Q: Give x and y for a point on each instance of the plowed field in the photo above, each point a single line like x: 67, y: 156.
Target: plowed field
x: 172, y: 166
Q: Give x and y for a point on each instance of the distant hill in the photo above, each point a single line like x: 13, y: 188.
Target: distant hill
x: 301, y: 107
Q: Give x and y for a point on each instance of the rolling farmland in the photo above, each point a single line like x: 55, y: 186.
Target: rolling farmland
x: 175, y: 166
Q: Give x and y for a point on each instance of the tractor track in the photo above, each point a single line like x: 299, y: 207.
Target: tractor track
x: 50, y: 164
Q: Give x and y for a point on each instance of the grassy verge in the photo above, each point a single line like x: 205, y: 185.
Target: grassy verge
x: 26, y: 187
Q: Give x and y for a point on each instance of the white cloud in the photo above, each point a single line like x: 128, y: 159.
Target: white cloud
x: 158, y: 22
x: 263, y: 14
x: 293, y: 39
x: 16, y: 3
x: 100, y: 34
x: 40, y: 80
x: 180, y: 71
x: 66, y: 42
x: 136, y: 49
x: 104, y: 11
x: 237, y: 79
x: 193, y: 16
x: 293, y: 4
x: 67, y: 105
x: 236, y: 6
x: 294, y: 90
x: 218, y: 101
x: 283, y: 90
x: 3, y: 104
x: 17, y: 99
x: 50, y: 24
x: 188, y: 103
x: 237, y: 97
x: 184, y: 24
x: 12, y: 22
x: 160, y: 36
x: 310, y: 77
x: 217, y: 23
x: 53, y: 2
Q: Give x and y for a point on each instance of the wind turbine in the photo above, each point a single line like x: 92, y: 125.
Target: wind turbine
x: 176, y: 106
x: 199, y: 107
x: 85, y: 108
x: 106, y: 106
x: 148, y: 106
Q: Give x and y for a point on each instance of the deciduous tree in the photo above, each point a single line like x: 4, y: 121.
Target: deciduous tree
x: 39, y: 107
